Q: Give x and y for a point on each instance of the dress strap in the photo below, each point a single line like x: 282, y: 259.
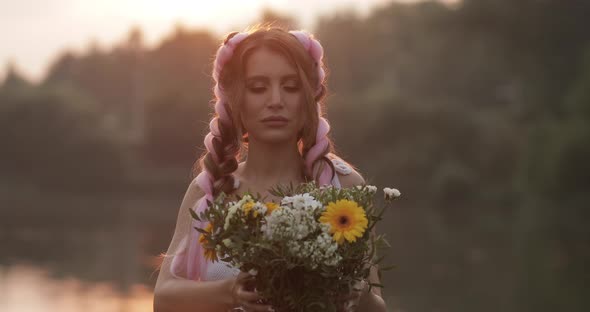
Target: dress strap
x: 341, y: 166
x: 336, y: 181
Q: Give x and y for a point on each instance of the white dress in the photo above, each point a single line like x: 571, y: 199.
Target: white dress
x: 222, y: 270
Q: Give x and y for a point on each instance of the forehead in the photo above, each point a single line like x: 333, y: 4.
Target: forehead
x: 265, y: 63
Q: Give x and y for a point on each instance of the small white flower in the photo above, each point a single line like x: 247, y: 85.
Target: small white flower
x: 298, y: 202
x: 227, y: 242
x: 372, y: 189
x: 391, y: 193
x: 286, y: 200
x: 233, y: 210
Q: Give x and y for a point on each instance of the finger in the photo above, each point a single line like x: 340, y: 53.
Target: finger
x: 244, y: 277
x: 247, y: 282
x: 350, y: 306
x: 361, y: 285
x: 245, y: 295
x: 355, y: 295
x: 343, y: 307
x: 252, y: 306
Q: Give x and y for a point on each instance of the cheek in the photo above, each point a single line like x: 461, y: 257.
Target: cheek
x: 249, y: 111
x: 300, y: 118
x: 250, y: 107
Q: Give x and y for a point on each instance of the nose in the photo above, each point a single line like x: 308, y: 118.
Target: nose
x: 276, y: 97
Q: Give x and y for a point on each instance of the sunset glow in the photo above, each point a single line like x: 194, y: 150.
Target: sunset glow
x: 34, y: 32
x: 27, y: 288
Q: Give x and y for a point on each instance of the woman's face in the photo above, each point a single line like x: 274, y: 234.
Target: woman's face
x: 272, y: 111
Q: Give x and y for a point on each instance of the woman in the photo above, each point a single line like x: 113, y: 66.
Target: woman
x: 269, y: 86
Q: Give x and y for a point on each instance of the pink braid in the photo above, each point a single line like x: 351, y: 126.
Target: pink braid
x: 318, y: 150
x: 191, y: 257
x: 315, y: 49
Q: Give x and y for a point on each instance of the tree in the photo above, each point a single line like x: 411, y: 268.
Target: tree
x: 55, y: 138
x: 552, y: 225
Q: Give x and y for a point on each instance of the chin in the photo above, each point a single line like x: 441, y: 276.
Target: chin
x: 274, y: 138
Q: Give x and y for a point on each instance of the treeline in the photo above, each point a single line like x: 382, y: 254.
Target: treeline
x: 479, y: 112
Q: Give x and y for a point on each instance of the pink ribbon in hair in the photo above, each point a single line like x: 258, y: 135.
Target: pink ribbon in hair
x: 226, y: 51
x: 315, y: 49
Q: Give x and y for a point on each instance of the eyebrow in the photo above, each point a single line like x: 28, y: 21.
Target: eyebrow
x: 266, y: 79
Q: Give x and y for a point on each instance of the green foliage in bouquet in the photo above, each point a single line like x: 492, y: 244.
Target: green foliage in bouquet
x: 313, y: 246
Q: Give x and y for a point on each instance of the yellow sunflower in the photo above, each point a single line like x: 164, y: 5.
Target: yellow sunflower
x: 270, y: 207
x: 210, y: 254
x: 347, y: 220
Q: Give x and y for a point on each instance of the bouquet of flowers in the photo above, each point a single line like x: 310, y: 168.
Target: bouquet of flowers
x: 304, y: 251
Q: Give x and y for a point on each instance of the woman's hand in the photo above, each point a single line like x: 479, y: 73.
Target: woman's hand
x: 349, y: 302
x: 245, y: 296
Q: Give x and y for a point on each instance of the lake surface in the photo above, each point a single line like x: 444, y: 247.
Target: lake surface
x: 81, y: 253
x: 28, y: 288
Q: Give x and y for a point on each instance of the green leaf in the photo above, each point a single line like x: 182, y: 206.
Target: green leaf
x: 194, y: 214
x: 201, y: 230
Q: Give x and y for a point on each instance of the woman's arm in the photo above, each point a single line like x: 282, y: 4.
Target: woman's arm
x: 373, y: 300
x: 178, y: 295
x: 369, y: 301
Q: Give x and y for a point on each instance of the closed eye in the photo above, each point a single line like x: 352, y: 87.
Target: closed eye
x: 259, y: 90
x: 292, y: 89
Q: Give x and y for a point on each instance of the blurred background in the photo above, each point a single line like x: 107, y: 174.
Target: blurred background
x: 477, y: 110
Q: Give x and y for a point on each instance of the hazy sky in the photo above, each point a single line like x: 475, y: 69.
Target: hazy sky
x: 33, y: 32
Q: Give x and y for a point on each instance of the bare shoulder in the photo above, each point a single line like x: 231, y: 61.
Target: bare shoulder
x: 347, y: 174
x: 352, y: 179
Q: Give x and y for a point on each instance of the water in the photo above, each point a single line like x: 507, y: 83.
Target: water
x: 81, y: 253
x: 28, y: 288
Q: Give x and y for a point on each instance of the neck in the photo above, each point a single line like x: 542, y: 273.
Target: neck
x: 273, y: 163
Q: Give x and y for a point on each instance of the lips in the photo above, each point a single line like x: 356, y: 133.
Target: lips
x: 275, y: 118
x: 275, y: 121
